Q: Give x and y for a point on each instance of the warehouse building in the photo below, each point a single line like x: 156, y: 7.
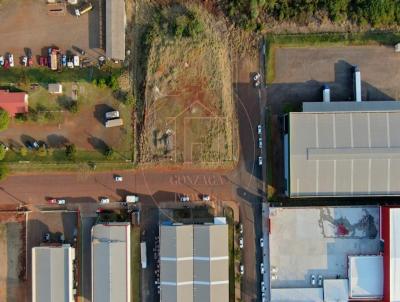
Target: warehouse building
x: 115, y: 29
x: 343, y: 149
x: 52, y: 273
x: 111, y: 274
x: 194, y: 262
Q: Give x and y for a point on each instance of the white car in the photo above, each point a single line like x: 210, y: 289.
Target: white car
x: 11, y: 59
x: 313, y: 280
x: 262, y: 268
x: 241, y: 242
x: 60, y: 201
x: 118, y: 178
x: 256, y: 77
x: 1, y: 60
x: 241, y: 228
x: 184, y: 198
x: 320, y: 279
x: 25, y: 61
x: 206, y: 197
x: 259, y: 130
x: 262, y: 286
x: 260, y: 142
x: 105, y: 200
x: 260, y: 160
x: 241, y: 269
x: 262, y: 242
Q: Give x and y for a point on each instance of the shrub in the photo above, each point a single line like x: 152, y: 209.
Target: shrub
x: 23, y: 151
x: 3, y: 152
x: 70, y: 151
x: 3, y: 171
x: 4, y: 119
x: 42, y: 151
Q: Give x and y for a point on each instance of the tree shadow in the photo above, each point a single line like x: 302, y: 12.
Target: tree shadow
x: 57, y: 141
x: 98, y: 144
x: 100, y: 111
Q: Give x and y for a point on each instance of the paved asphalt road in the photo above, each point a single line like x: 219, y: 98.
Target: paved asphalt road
x: 243, y: 184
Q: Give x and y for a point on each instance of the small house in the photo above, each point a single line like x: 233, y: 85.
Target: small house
x: 55, y: 88
x: 14, y: 102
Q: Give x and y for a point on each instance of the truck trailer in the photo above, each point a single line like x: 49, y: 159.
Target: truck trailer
x: 114, y: 123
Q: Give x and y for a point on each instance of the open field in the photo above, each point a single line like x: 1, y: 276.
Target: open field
x: 300, y: 73
x: 12, y: 255
x: 26, y: 24
x: 189, y: 110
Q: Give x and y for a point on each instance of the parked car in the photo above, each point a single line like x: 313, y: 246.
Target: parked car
x: 206, y: 197
x: 260, y: 143
x: 60, y: 201
x: 64, y: 60
x: 241, y: 269
x: 4, y: 146
x: 46, y: 237
x: 45, y: 61
x: 256, y: 77
x: 1, y: 61
x: 52, y: 201
x: 24, y: 61
x: 6, y: 64
x: 262, y: 286
x: 241, y: 242
x: 261, y: 242
x: 241, y: 228
x: 320, y: 280
x: 62, y: 238
x: 118, y: 178
x: 29, y: 145
x: 35, y: 144
x: 259, y: 129
x: 184, y: 198
x: 104, y: 200
x: 262, y: 268
x: 260, y: 160
x: 313, y: 280
x: 11, y: 59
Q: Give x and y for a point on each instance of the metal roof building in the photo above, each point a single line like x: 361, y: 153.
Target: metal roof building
x: 111, y: 262
x: 115, y: 29
x: 52, y: 273
x: 343, y: 149
x: 194, y: 263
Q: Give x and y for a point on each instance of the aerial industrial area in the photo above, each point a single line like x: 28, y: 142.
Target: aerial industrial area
x: 199, y: 151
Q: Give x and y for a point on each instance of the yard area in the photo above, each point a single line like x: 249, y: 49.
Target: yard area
x: 300, y: 72
x: 12, y: 254
x: 189, y: 114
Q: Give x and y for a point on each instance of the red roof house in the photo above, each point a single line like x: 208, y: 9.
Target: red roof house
x: 14, y: 102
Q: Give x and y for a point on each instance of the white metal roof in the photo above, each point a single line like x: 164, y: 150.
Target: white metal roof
x: 111, y: 262
x: 314, y: 294
x: 395, y: 254
x: 344, y: 153
x: 115, y: 29
x: 336, y: 290
x: 52, y: 277
x: 366, y: 276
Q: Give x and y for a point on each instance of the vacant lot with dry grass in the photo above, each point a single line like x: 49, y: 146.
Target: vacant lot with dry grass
x: 12, y: 255
x: 189, y: 114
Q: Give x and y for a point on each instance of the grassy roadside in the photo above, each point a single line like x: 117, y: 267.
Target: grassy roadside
x: 231, y: 238
x: 135, y: 264
x: 322, y: 40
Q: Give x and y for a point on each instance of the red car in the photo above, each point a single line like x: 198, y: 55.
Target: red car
x: 6, y: 64
x: 52, y: 201
x: 41, y: 61
x: 30, y: 61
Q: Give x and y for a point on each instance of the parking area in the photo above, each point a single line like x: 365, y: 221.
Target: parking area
x: 317, y: 241
x: 27, y: 24
x: 301, y: 72
x: 56, y: 223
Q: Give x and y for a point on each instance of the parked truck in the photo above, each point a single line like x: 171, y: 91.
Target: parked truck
x: 132, y: 198
x: 53, y: 60
x: 143, y: 254
x: 112, y: 114
x: 114, y: 123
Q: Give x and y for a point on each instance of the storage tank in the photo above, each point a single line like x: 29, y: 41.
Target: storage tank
x: 326, y: 94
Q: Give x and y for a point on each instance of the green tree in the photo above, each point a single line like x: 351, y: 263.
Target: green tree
x: 109, y: 153
x: 3, y: 171
x: 4, y: 119
x: 3, y: 151
x: 42, y: 151
x: 70, y: 151
x: 23, y: 151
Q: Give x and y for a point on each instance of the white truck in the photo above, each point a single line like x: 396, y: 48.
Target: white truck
x: 112, y: 114
x: 114, y: 123
x: 143, y: 254
x: 132, y: 198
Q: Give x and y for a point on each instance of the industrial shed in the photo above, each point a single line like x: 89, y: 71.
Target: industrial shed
x: 115, y: 29
x: 52, y: 273
x: 194, y: 263
x: 111, y: 272
x: 343, y: 149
